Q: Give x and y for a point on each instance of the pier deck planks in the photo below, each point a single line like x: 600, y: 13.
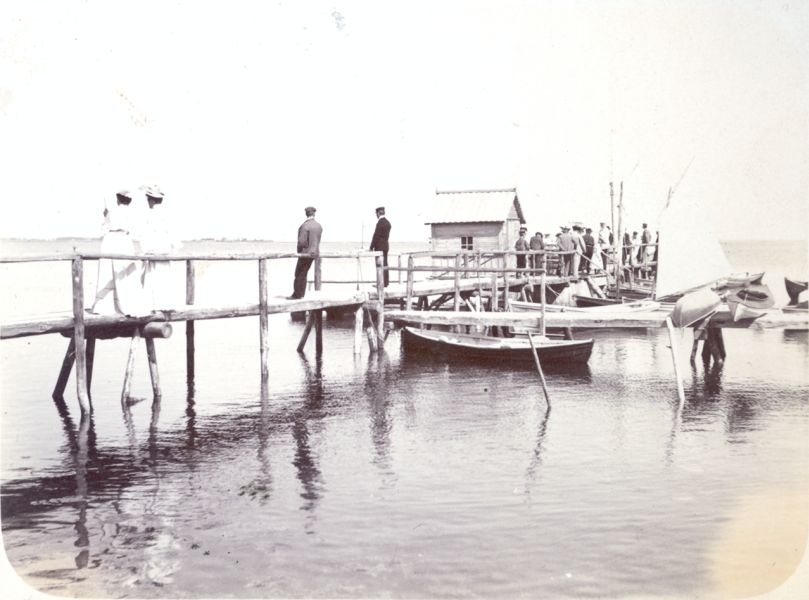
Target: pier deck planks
x: 58, y: 322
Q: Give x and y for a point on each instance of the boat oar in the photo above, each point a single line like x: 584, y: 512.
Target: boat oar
x: 680, y: 390
x: 539, y: 369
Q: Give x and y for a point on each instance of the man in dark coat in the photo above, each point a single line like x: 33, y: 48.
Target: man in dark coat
x: 309, y: 244
x: 379, y: 242
x: 537, y: 242
x: 589, y: 246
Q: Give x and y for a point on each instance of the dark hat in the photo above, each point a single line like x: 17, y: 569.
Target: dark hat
x: 538, y: 233
x: 589, y: 230
x: 124, y: 197
x: 380, y: 209
x: 310, y: 210
x: 523, y: 229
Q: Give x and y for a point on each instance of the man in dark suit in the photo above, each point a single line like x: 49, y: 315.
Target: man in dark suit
x: 379, y: 241
x: 309, y: 244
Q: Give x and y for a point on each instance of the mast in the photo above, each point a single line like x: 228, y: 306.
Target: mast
x: 618, y: 247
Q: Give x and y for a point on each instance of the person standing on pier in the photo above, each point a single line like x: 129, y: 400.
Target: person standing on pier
x: 537, y: 242
x: 566, y: 246
x: 521, y: 245
x: 118, y: 288
x: 578, y: 249
x: 379, y: 241
x: 589, y: 247
x: 646, y: 248
x: 155, y: 238
x: 604, y: 243
x: 308, y: 244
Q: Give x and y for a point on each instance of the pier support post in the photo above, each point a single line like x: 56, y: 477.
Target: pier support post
x: 409, y: 292
x: 318, y: 312
x: 310, y: 321
x: 130, y: 367
x: 543, y: 292
x: 67, y: 367
x: 380, y: 309
x: 190, y: 285
x: 151, y: 354
x: 358, y: 330
x: 78, y: 334
x: 90, y: 347
x: 263, y: 321
x: 457, y: 284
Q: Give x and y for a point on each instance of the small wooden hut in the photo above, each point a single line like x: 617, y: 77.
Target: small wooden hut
x: 484, y: 220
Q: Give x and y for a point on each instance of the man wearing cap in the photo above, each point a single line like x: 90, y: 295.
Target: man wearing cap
x: 589, y: 247
x: 309, y: 244
x: 521, y: 245
x: 566, y: 245
x: 379, y: 241
x: 604, y: 243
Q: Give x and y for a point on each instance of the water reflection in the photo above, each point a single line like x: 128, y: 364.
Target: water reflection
x: 536, y: 455
x: 305, y: 461
x: 379, y: 379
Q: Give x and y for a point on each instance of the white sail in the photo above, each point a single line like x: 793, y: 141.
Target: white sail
x: 690, y: 255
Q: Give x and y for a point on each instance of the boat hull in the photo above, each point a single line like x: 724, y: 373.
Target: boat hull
x: 502, y: 350
x: 794, y: 289
x: 694, y: 307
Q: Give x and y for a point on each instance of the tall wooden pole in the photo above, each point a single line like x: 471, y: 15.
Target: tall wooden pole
x: 675, y: 359
x: 358, y: 330
x: 90, y: 346
x: 263, y: 321
x: 190, y: 289
x: 151, y: 355
x: 457, y: 283
x: 542, y: 292
x: 619, y: 244
x: 78, y: 334
x: 612, y: 208
x: 539, y: 370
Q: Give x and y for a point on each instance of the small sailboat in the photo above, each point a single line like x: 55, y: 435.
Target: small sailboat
x: 794, y: 289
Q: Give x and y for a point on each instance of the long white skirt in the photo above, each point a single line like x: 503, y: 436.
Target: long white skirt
x: 119, y: 289
x: 158, y: 285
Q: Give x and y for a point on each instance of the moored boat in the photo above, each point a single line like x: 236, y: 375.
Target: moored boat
x: 735, y: 280
x: 694, y: 307
x: 794, y: 289
x: 750, y: 302
x: 617, y: 307
x: 479, y: 346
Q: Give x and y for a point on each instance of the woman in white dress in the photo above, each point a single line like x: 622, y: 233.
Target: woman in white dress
x: 119, y: 289
x: 156, y: 238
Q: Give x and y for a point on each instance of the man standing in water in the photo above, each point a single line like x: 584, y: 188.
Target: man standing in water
x: 309, y: 244
x: 379, y: 242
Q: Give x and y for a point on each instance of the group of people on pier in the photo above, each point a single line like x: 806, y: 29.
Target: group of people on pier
x: 577, y: 242
x: 128, y: 286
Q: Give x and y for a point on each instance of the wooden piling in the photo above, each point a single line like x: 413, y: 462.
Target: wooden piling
x: 152, y: 357
x: 409, y: 291
x: 539, y: 370
x: 318, y: 312
x: 78, y: 334
x: 358, y: 330
x: 90, y: 350
x: 310, y: 321
x: 380, y: 294
x: 130, y: 367
x: 676, y: 361
x: 67, y: 367
x: 190, y: 292
x: 263, y: 321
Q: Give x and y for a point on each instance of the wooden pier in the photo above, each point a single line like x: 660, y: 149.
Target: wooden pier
x: 478, y: 286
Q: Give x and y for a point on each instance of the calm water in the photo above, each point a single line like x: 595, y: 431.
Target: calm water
x: 401, y: 476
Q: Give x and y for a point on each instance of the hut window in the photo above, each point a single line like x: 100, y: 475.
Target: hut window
x: 467, y: 242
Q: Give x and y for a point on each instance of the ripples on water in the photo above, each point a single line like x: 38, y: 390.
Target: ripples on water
x: 398, y: 475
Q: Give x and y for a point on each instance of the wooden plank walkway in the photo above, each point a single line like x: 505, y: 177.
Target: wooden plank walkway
x: 774, y: 319
x: 63, y: 322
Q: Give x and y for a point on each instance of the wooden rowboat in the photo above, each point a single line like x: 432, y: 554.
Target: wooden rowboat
x: 694, y: 307
x: 750, y: 302
x: 618, y: 307
x: 478, y: 346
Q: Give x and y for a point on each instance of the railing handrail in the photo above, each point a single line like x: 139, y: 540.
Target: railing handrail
x: 186, y: 256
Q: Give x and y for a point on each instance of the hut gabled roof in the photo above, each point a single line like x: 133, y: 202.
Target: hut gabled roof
x: 475, y: 206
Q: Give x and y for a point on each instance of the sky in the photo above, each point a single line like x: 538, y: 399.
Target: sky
x: 245, y: 113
